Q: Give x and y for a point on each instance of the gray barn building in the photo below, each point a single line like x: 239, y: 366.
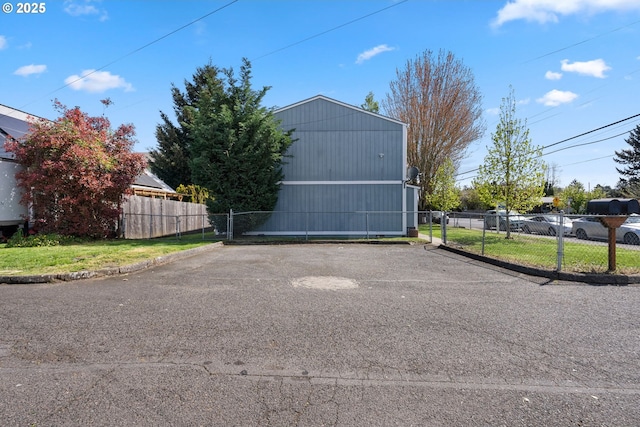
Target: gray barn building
x: 346, y: 174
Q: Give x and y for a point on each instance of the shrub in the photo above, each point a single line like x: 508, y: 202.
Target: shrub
x: 19, y: 240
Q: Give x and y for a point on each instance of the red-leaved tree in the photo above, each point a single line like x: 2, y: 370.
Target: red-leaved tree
x: 76, y: 172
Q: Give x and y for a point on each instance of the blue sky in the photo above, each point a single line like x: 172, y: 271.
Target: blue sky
x: 574, y: 64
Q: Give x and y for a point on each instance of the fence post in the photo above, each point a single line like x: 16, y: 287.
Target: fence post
x: 443, y: 225
x: 203, y: 226
x: 484, y: 231
x: 560, y: 234
x: 306, y: 226
x: 178, y: 226
x: 151, y: 226
x: 230, y: 225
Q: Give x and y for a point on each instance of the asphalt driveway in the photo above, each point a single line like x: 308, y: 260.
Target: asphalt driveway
x: 311, y: 335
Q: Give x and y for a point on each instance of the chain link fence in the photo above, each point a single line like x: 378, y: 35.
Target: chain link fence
x: 149, y: 226
x: 325, y: 225
x: 552, y: 241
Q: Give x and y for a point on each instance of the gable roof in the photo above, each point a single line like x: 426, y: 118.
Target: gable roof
x: 353, y: 107
x: 149, y: 180
x: 13, y: 123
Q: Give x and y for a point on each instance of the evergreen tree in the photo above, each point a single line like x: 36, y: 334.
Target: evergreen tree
x: 370, y: 104
x: 171, y: 160
x: 237, y: 147
x: 630, y: 180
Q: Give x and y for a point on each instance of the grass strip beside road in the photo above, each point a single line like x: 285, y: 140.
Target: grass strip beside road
x: 539, y: 251
x: 89, y: 256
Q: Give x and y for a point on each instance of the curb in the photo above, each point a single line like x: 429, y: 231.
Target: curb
x: 602, y: 279
x: 109, y: 271
x: 319, y: 242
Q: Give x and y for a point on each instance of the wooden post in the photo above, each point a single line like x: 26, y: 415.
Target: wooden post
x: 612, y: 223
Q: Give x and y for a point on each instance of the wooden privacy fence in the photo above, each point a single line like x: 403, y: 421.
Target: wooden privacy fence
x: 147, y: 217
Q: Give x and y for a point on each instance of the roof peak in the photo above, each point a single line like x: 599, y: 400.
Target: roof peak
x: 344, y: 104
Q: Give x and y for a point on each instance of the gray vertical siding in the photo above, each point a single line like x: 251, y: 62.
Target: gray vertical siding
x: 336, y: 208
x: 339, y: 143
x: 412, y: 206
x: 345, y: 162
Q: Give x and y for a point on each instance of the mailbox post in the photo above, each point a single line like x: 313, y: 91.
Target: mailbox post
x: 612, y: 222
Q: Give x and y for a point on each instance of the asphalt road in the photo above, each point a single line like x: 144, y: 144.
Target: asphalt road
x: 312, y: 335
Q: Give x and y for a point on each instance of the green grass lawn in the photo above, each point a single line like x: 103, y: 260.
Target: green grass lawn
x: 522, y: 249
x: 529, y: 250
x: 90, y: 255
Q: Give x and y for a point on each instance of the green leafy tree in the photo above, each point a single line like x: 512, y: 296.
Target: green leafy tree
x: 597, y: 193
x: 574, y: 197
x: 195, y: 193
x: 630, y: 181
x: 513, y: 173
x: 370, y: 104
x: 470, y: 199
x: 171, y: 160
x: 445, y: 195
x: 608, y: 191
x: 237, y: 148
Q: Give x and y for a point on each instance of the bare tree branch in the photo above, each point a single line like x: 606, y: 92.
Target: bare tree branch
x: 439, y: 100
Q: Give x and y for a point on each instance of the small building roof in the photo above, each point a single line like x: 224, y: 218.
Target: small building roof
x: 13, y: 123
x: 148, y: 180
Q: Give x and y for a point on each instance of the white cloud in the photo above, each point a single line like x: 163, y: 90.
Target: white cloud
x: 27, y: 70
x: 524, y: 101
x: 595, y: 68
x: 493, y: 111
x: 85, y: 7
x: 93, y: 81
x: 557, y: 97
x: 551, y: 75
x: 543, y: 11
x: 368, y: 54
x: 3, y: 42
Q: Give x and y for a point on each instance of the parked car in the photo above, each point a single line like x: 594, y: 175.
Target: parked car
x: 591, y: 228
x: 492, y: 217
x: 547, y: 224
x: 436, y: 216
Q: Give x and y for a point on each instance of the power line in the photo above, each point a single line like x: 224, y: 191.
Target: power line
x: 591, y: 131
x: 573, y: 137
x: 329, y: 30
x: 590, y: 160
x: 133, y: 52
x: 584, y: 143
x: 580, y: 42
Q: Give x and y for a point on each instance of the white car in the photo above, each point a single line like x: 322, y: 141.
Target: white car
x: 437, y: 217
x: 498, y: 219
x: 548, y: 224
x: 591, y: 228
